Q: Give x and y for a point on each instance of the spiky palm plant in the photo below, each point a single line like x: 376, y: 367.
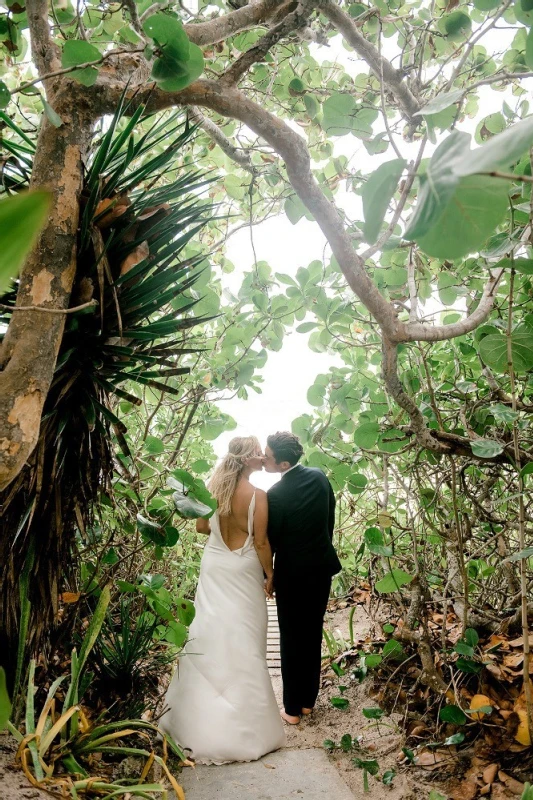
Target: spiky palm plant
x: 139, y: 211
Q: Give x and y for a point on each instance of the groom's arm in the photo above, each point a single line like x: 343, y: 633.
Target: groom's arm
x: 331, y: 512
x: 275, y: 519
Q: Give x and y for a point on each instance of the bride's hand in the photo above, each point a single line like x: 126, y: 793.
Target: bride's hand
x: 269, y: 587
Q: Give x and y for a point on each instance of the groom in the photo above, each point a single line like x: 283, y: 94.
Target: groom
x: 301, y: 518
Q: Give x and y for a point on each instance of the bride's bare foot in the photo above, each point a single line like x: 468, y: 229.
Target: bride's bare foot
x: 289, y: 718
x: 307, y: 711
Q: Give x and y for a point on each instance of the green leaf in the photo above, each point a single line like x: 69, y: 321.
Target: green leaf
x: 76, y: 51
x: 339, y: 702
x: 179, y: 79
x: 312, y: 106
x: 375, y: 543
x: 176, y: 633
x: 464, y: 649
x: 366, y: 435
x: 52, y: 115
x: 296, y: 87
x: 474, y: 210
x: 5, y: 95
x: 346, y: 743
x: 373, y: 713
x: 337, y: 114
x: 500, y: 151
x: 440, y: 102
x: 471, y: 637
x: 466, y: 665
x: 527, y: 470
x: 393, y: 649
x: 493, y: 350
x: 453, y: 714
x: 168, y: 33
x: 5, y: 702
x: 21, y: 218
x: 456, y: 25
x: 185, y: 610
x: 377, y: 193
x: 316, y: 395
x: 153, y: 445
x: 373, y: 660
x: 457, y: 738
x: 526, y: 553
x: 393, y: 581
x: 388, y: 777
x: 486, y: 448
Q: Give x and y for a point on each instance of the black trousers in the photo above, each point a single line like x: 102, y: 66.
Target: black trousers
x: 301, y: 603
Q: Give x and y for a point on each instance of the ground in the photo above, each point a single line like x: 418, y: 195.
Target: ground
x: 380, y: 741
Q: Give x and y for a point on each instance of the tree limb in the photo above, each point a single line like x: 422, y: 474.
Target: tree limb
x: 220, y: 28
x: 230, y: 102
x: 380, y: 66
x: 420, y: 332
x: 296, y: 20
x: 237, y: 154
x: 45, y: 52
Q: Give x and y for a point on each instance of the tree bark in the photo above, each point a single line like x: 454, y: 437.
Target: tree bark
x: 31, y: 344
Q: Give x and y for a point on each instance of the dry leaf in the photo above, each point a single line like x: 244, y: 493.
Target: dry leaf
x: 70, y: 597
x: 135, y: 257
x: 467, y: 790
x: 514, y: 786
x: 478, y: 701
x: 117, y: 206
x: 485, y: 790
x: 432, y: 759
x: 522, y: 732
x: 490, y: 772
x: 520, y: 641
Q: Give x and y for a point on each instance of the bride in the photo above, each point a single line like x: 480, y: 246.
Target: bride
x: 222, y: 705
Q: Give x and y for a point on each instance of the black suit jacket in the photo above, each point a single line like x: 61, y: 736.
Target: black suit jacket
x: 301, y: 519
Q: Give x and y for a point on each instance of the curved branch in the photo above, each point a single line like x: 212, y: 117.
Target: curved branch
x: 220, y: 28
x: 418, y: 422
x: 293, y: 21
x: 391, y: 78
x: 230, y: 102
x: 419, y: 332
x: 237, y: 154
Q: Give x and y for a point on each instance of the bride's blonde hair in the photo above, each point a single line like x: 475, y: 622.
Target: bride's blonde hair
x: 226, y: 476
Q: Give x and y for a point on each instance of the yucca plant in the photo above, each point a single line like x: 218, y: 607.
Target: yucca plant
x: 57, y: 747
x: 140, y: 209
x: 127, y: 660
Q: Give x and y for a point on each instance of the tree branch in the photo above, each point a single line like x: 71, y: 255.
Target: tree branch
x: 380, y: 66
x: 230, y: 102
x: 45, y: 52
x: 220, y: 28
x: 420, y: 332
x: 237, y: 154
x: 296, y: 20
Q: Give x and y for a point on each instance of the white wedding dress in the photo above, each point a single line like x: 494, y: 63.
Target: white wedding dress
x: 222, y: 705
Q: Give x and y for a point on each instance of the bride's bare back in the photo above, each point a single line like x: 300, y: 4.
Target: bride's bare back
x: 234, y: 527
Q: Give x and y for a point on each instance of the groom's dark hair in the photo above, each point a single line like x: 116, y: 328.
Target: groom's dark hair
x: 285, y: 446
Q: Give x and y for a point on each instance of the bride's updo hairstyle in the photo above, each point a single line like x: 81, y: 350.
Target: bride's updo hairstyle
x: 226, y: 476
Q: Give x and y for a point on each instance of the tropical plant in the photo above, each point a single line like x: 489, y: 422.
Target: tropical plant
x: 57, y: 746
x: 129, y: 325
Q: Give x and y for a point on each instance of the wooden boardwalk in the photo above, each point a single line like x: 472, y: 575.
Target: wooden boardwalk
x: 273, y: 654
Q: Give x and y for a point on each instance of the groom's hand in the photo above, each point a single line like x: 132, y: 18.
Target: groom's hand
x: 269, y: 587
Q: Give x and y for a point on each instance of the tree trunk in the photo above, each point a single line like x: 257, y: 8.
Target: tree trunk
x: 27, y: 363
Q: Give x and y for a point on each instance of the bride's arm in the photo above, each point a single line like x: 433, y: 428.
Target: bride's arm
x: 262, y: 545
x: 203, y: 526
